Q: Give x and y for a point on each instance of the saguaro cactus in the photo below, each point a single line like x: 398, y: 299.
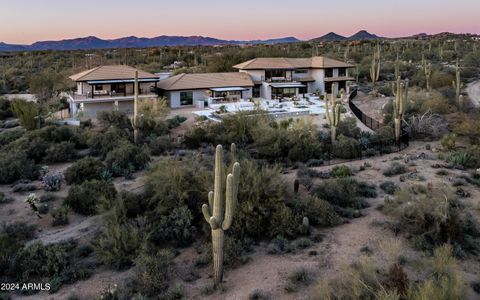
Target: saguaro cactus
x: 220, y: 209
x: 135, y: 109
x: 375, y: 69
x: 333, y: 114
x: 457, y: 84
x: 401, y: 96
x: 428, y: 74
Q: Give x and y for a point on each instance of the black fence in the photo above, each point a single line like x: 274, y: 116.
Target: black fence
x: 372, y: 146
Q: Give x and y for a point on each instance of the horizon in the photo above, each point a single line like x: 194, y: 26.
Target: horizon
x: 53, y: 20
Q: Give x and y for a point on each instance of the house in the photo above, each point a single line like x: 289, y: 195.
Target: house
x: 206, y: 89
x: 282, y: 77
x: 109, y: 87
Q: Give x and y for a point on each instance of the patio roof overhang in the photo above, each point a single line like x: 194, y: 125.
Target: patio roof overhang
x: 228, y: 89
x: 122, y: 81
x: 287, y: 85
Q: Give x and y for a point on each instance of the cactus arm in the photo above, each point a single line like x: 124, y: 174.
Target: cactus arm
x: 206, y: 212
x: 210, y: 202
x: 213, y: 223
x: 231, y: 196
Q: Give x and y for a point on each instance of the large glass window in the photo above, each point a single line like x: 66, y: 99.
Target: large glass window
x: 342, y: 72
x: 278, y: 93
x: 186, y: 98
x: 328, y: 72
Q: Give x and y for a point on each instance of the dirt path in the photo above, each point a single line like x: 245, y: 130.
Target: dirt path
x: 473, y: 90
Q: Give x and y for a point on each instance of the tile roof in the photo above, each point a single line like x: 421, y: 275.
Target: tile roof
x: 205, y: 80
x: 111, y: 73
x: 292, y: 63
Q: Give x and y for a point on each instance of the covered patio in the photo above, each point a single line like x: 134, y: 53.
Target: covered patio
x: 287, y: 91
x: 225, y: 95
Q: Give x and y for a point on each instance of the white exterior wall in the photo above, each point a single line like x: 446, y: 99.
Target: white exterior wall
x: 84, y: 88
x: 256, y: 75
x: 319, y: 84
x: 173, y: 97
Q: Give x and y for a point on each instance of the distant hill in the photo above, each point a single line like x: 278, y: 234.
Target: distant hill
x: 363, y: 35
x: 330, y: 37
x: 359, y: 36
x: 92, y: 42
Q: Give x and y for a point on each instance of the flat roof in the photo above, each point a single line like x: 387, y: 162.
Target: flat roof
x: 316, y: 62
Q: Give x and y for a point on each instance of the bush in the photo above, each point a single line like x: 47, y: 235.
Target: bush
x: 318, y: 211
x: 448, y: 141
x: 297, y: 279
x: 176, y: 121
x: 460, y: 159
x: 87, y: 168
x: 26, y: 112
x: 5, y: 199
x: 19, y: 230
x: 154, y: 272
x: 62, y: 152
x: 9, y: 247
x: 87, y: 198
x: 15, y: 166
x: 389, y: 187
x: 121, y: 242
x: 259, y: 295
x: 434, y: 216
x: 175, y: 226
x: 8, y: 136
x: 159, y: 145
x: 114, y: 118
x: 395, y: 169
x: 126, y: 159
x: 348, y: 127
x: 279, y: 245
x: 341, y: 171
x: 341, y: 193
x: 347, y: 148
x: 469, y: 127
x: 100, y: 143
x: 59, y: 216
x: 5, y: 109
x: 52, y: 182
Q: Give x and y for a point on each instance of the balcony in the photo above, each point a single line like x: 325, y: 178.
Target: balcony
x: 102, y: 96
x: 287, y: 79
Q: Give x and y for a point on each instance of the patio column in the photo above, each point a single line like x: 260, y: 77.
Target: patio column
x: 115, y: 105
x: 93, y: 93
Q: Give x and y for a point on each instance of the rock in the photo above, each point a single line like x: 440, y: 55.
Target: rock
x: 422, y: 156
x: 10, y: 123
x: 462, y: 193
x: 83, y: 153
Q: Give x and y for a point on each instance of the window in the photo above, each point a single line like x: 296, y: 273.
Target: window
x: 118, y: 87
x: 256, y: 91
x: 186, y: 98
x: 279, y: 93
x: 301, y: 71
x: 328, y: 73
x: 99, y: 87
x: 342, y: 72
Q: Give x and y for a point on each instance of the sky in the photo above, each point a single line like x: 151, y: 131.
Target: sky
x: 27, y: 21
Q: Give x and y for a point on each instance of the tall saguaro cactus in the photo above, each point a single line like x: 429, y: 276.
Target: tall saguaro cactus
x: 135, y: 109
x: 332, y: 114
x: 220, y: 209
x: 400, y: 91
x: 428, y: 74
x: 457, y: 84
x: 375, y: 69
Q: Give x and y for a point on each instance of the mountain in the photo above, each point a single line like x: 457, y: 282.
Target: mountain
x: 92, y: 42
x: 330, y: 37
x: 363, y: 35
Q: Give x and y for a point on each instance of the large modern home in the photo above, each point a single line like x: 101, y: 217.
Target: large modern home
x: 281, y: 77
x: 206, y: 89
x: 110, y: 87
x: 269, y: 78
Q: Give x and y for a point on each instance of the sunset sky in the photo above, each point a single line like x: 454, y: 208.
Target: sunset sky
x: 27, y: 21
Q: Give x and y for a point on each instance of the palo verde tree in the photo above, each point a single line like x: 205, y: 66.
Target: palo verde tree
x: 400, y: 91
x: 375, y: 69
x: 220, y: 209
x: 333, y: 113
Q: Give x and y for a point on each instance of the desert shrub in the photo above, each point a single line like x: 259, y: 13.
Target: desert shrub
x: 434, y: 216
x: 86, y: 198
x: 121, y: 241
x: 100, y: 143
x: 84, y: 169
x: 159, y: 145
x: 341, y: 193
x: 303, y: 243
x: 175, y: 226
x: 60, y: 216
x: 26, y: 112
x: 460, y: 159
x: 9, y: 247
x: 114, y: 118
x: 15, y: 166
x: 52, y: 182
x: 346, y: 147
x: 176, y: 121
x: 126, y: 158
x: 259, y: 295
x: 318, y: 211
x: 448, y: 141
x: 5, y: 109
x: 384, y: 133
x: 341, y: 171
x: 389, y: 187
x: 348, y: 127
x: 5, y: 199
x: 262, y: 211
x: 436, y: 104
x: 297, y: 279
x: 154, y: 272
x: 469, y: 127
x: 8, y: 136
x: 395, y: 168
x: 19, y: 230
x: 279, y: 245
x: 234, y: 252
x: 62, y: 152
